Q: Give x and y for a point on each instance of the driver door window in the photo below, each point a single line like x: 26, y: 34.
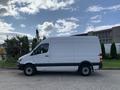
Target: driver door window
x: 43, y: 48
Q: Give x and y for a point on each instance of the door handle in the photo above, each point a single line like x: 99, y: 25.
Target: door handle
x: 46, y: 55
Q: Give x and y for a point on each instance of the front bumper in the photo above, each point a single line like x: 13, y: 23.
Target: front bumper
x: 20, y: 66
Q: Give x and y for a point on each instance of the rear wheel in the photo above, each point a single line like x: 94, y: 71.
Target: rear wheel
x: 29, y: 70
x: 85, y: 70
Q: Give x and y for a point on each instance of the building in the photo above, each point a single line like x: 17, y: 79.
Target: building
x: 2, y: 52
x: 106, y: 36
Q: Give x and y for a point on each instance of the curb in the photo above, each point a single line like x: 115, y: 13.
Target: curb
x: 10, y: 68
x: 110, y: 69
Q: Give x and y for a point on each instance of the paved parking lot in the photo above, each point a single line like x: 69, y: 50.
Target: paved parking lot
x: 100, y: 80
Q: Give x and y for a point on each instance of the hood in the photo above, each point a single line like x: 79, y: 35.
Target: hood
x: 24, y: 56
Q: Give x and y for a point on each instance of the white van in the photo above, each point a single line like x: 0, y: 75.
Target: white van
x: 78, y: 53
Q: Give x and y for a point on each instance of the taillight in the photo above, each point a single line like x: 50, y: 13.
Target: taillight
x: 100, y: 56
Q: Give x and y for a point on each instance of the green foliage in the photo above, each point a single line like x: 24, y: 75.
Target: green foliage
x: 103, y: 50
x: 17, y: 46
x: 12, y: 47
x: 37, y: 35
x: 113, y: 51
x: 24, y: 45
x: 34, y: 43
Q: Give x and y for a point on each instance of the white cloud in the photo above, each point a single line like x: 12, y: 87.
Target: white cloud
x: 5, y: 27
x: 98, y: 28
x: 65, y: 26
x: 72, y: 19
x: 22, y: 25
x: 45, y: 28
x: 97, y: 8
x: 7, y: 30
x: 96, y: 19
x: 2, y: 38
x: 94, y: 8
x: 33, y: 6
x: 14, y: 7
x: 60, y: 27
x: 8, y: 8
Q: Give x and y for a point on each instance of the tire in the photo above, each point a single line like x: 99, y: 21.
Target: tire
x: 29, y: 70
x: 85, y: 70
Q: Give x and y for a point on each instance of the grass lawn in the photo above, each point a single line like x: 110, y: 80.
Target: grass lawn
x: 111, y: 63
x: 11, y: 63
x: 7, y: 64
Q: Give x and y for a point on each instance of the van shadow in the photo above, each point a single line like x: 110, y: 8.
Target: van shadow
x: 55, y: 73
x: 63, y: 73
x: 68, y: 74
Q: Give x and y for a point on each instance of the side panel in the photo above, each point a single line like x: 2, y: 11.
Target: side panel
x: 75, y: 50
x: 62, y: 51
x: 88, y: 50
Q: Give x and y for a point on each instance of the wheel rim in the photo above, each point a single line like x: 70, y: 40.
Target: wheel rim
x: 85, y: 70
x: 29, y: 70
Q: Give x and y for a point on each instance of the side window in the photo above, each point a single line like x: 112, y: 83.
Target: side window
x: 43, y: 48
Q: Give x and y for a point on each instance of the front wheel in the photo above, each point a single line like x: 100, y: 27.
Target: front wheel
x: 29, y: 70
x: 85, y: 70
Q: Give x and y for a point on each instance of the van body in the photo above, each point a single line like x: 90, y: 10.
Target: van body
x: 78, y: 53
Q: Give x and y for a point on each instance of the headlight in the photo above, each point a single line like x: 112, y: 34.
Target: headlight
x: 19, y: 60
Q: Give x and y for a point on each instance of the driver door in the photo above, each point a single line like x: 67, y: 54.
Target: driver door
x: 40, y: 55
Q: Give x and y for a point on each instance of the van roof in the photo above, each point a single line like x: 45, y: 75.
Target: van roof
x: 73, y: 37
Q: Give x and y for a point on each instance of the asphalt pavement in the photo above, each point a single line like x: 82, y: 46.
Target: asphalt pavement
x: 99, y: 80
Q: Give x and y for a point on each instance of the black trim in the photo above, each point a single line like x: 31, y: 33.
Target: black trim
x: 64, y: 64
x: 20, y: 66
x: 95, y: 64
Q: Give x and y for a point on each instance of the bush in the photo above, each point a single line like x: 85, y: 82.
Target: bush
x: 103, y: 50
x: 113, y: 51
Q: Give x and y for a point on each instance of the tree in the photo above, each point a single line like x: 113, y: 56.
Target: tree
x: 113, y: 51
x: 12, y: 47
x: 103, y: 50
x: 24, y: 44
x: 17, y: 46
x: 34, y: 43
x: 37, y: 35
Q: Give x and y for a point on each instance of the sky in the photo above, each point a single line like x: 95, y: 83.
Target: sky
x: 56, y: 17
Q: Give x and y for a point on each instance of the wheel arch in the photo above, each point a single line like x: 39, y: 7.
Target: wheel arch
x: 85, y: 62
x: 30, y: 64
